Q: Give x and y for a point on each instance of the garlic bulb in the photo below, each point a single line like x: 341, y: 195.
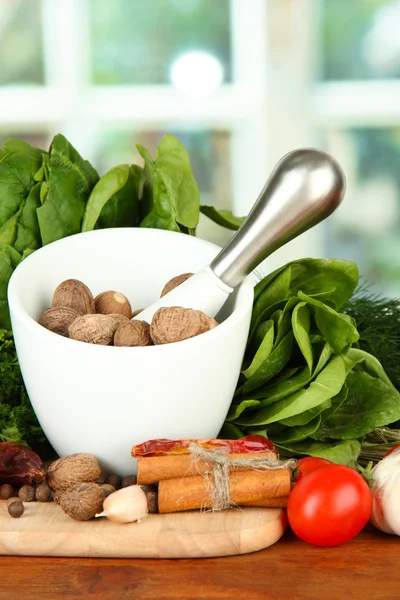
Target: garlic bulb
x: 385, y: 488
x: 126, y: 505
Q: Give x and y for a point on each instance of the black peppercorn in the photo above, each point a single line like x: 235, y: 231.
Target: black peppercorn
x: 129, y: 480
x: 114, y: 480
x: 6, y: 491
x: 26, y: 493
x: 16, y: 509
x: 152, y: 502
x: 43, y: 493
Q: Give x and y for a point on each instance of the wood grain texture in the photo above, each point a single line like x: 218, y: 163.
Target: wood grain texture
x: 45, y: 530
x: 366, y: 568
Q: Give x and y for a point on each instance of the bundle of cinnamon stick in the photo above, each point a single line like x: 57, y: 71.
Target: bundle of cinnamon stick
x: 195, y: 473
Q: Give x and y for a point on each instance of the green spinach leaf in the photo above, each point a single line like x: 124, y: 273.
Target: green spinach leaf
x: 236, y: 409
x: 19, y: 161
x: 370, y: 403
x: 296, y: 380
x: 262, y: 330
x: 276, y: 291
x: 307, y: 416
x: 336, y: 404
x: 336, y: 328
x: 370, y: 364
x: 301, y: 329
x: 225, y: 218
x: 273, y: 365
x: 122, y: 209
x: 263, y: 351
x: 28, y: 232
x: 298, y: 433
x: 343, y: 453
x: 282, y: 309
x: 68, y: 182
x: 330, y: 280
x: 9, y: 259
x: 281, y: 389
x: 326, y: 385
x: 168, y: 192
x: 113, y: 201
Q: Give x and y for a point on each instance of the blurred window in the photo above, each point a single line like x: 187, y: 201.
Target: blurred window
x: 239, y: 86
x: 138, y: 42
x: 357, y: 114
x: 360, y: 39
x: 21, y: 52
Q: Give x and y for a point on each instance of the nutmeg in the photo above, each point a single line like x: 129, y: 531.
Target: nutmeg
x: 76, y: 295
x: 175, y: 323
x: 58, y: 319
x: 75, y: 468
x: 119, y: 319
x: 174, y: 282
x: 93, y: 329
x: 57, y: 496
x: 83, y: 501
x: 133, y: 333
x: 207, y: 322
x: 111, y: 302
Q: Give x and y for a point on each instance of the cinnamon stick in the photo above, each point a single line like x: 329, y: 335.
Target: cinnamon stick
x: 152, y: 469
x: 268, y: 488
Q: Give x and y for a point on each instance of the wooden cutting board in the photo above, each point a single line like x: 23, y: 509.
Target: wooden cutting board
x: 44, y: 530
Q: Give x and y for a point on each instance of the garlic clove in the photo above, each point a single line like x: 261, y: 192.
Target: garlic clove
x: 385, y: 487
x: 126, y: 505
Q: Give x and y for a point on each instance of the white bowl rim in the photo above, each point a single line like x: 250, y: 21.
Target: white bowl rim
x: 246, y: 289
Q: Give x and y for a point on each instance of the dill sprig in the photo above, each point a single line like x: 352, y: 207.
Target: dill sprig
x: 378, y: 323
x: 377, y: 443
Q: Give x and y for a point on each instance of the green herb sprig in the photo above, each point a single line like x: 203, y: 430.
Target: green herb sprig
x: 378, y: 323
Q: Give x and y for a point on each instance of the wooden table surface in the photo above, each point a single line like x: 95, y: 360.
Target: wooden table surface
x: 367, y: 567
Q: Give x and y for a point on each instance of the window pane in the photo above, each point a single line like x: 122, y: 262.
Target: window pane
x: 366, y: 228
x: 21, y: 60
x: 209, y: 153
x: 360, y: 39
x: 137, y: 42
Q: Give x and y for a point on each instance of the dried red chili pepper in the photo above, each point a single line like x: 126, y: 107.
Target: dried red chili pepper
x: 19, y: 465
x: 162, y: 447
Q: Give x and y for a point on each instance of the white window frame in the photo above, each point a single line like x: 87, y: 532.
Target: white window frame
x: 258, y: 109
x: 69, y: 104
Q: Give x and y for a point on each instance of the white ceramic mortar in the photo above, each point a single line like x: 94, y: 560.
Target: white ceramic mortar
x: 102, y: 399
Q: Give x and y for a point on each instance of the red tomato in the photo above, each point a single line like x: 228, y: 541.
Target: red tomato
x: 329, y: 506
x: 396, y: 447
x: 308, y: 465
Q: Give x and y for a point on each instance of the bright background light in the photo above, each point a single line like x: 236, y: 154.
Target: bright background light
x: 196, y: 73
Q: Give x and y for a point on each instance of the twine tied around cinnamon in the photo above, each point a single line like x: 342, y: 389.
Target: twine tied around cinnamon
x: 220, y: 465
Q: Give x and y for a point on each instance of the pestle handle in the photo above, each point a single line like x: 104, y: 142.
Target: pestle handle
x: 306, y: 186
